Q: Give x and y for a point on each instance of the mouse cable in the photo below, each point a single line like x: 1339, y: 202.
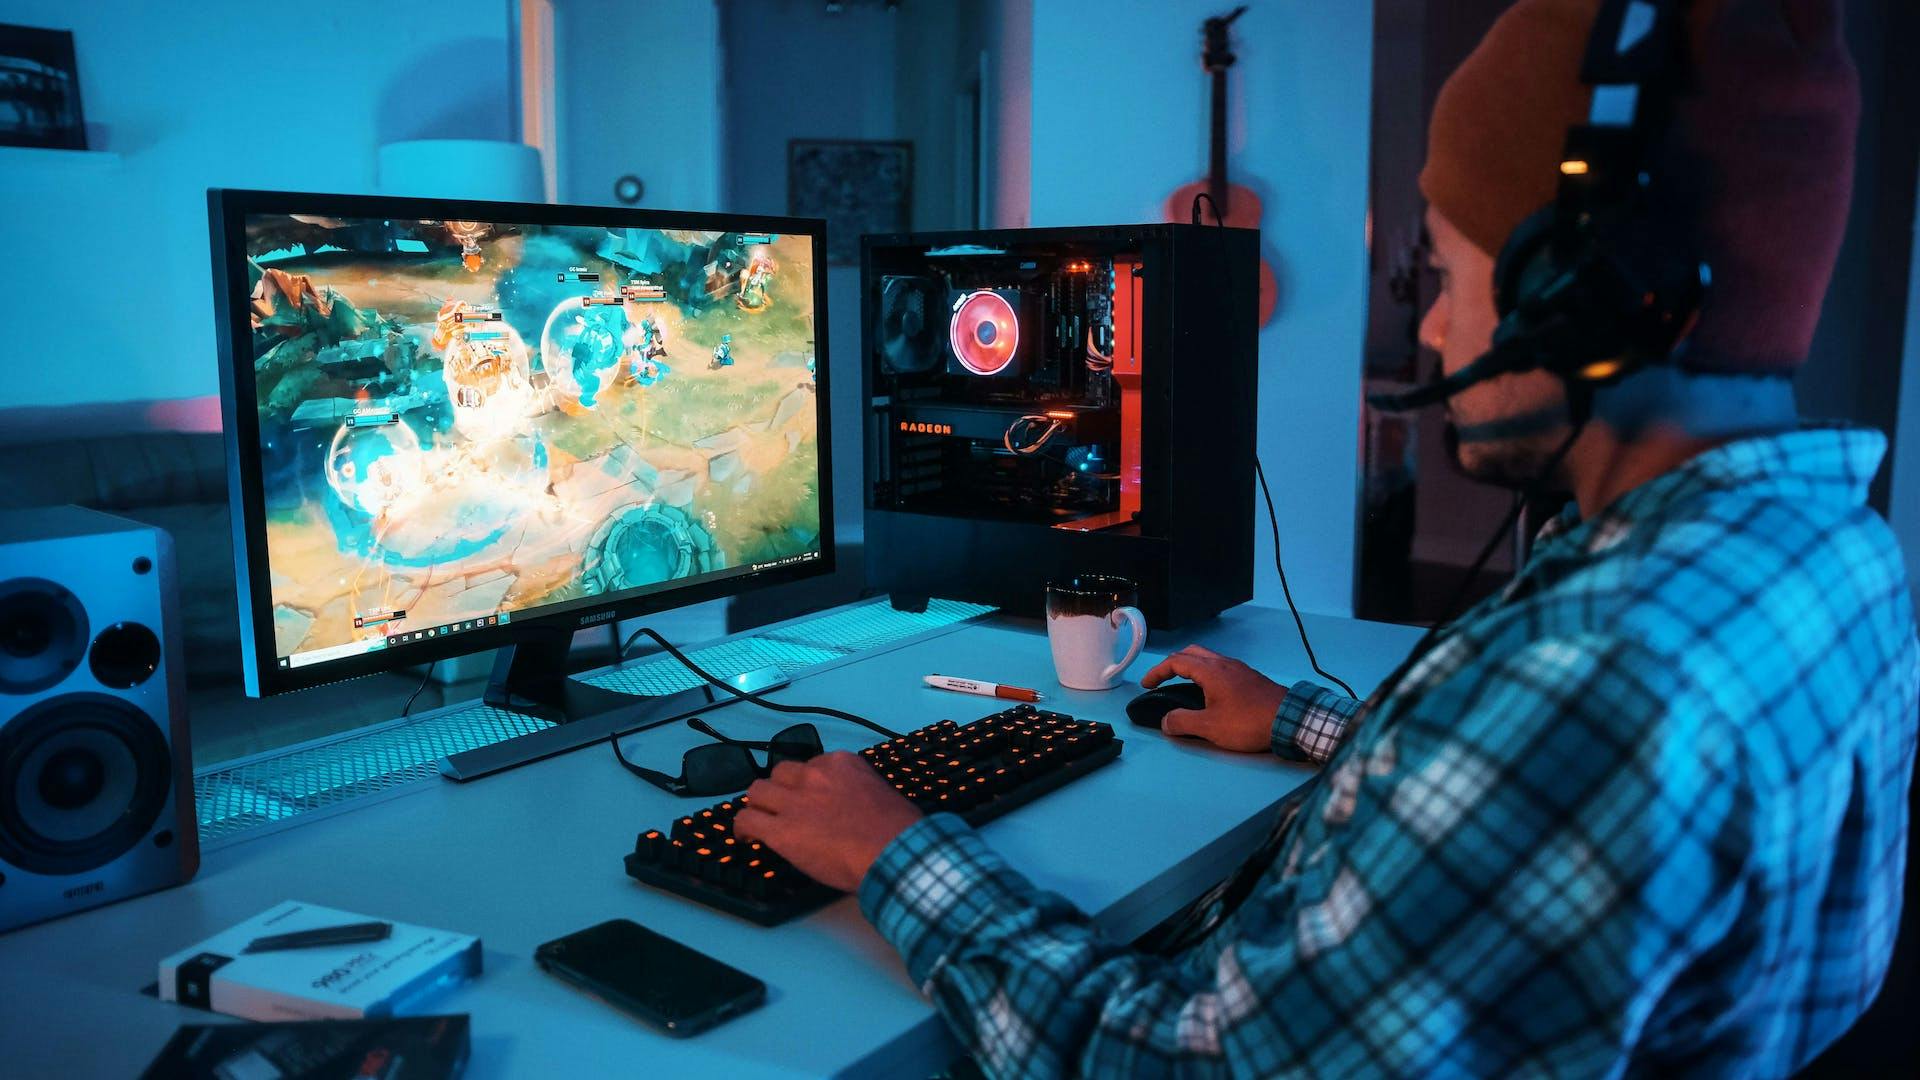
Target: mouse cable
x: 1273, y: 520
x: 747, y: 695
x: 1260, y: 474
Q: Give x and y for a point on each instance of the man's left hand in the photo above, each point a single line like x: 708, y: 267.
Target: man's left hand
x: 830, y: 817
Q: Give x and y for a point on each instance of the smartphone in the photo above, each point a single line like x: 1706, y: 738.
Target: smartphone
x: 676, y: 989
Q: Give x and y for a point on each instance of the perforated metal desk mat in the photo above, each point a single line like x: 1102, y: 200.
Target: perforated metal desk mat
x: 269, y: 791
x: 793, y: 647
x: 236, y: 799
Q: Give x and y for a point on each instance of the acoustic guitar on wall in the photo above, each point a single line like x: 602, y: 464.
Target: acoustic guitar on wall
x: 1238, y: 206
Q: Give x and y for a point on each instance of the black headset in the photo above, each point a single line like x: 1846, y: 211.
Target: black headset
x: 1607, y: 279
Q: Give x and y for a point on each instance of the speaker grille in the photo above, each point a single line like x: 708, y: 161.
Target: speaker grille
x: 83, y: 777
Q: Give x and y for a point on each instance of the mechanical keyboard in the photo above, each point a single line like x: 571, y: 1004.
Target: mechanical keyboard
x: 979, y: 770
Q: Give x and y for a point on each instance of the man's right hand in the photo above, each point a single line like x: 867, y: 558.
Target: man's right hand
x: 1241, y: 702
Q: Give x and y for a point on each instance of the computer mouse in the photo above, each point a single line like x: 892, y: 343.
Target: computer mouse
x: 1150, y: 708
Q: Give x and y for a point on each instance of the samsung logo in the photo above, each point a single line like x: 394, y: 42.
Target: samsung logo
x: 589, y: 620
x: 79, y: 891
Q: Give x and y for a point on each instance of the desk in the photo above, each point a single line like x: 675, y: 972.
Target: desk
x: 528, y: 855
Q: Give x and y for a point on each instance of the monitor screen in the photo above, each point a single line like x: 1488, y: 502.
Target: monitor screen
x: 463, y: 424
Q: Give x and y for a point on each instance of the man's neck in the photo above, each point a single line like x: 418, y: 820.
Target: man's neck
x: 1601, y: 467
x: 1668, y: 417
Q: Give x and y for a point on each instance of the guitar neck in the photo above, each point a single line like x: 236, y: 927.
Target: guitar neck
x: 1217, y: 151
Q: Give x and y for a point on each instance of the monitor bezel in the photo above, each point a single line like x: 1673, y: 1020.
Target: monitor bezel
x: 227, y: 211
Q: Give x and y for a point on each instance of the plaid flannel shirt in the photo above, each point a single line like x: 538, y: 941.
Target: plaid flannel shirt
x: 1642, y: 813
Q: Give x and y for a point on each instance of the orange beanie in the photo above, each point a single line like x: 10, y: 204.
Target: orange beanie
x: 1766, y: 134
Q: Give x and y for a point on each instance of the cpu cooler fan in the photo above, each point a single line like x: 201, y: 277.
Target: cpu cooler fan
x: 992, y: 333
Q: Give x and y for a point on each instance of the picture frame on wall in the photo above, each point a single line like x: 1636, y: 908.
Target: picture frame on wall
x: 40, y: 89
x: 858, y: 185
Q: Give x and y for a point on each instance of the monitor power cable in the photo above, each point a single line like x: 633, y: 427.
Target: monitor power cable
x: 425, y: 677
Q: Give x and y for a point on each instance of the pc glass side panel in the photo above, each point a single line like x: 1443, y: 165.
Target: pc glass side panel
x: 1023, y: 419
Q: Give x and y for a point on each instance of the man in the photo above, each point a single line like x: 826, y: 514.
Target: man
x: 1641, y: 813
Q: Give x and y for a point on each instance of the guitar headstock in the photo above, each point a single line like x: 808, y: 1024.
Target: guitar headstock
x: 1218, y: 53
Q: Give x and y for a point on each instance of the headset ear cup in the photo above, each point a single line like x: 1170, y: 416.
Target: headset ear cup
x: 1525, y: 247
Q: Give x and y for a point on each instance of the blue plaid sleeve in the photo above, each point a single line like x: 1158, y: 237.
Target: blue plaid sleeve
x: 1482, y: 890
x: 1312, y: 722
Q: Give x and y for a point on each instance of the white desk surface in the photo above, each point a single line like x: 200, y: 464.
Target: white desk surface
x: 535, y: 853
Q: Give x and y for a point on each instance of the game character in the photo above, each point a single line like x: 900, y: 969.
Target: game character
x: 469, y: 234
x: 753, y: 282
x: 542, y: 463
x: 649, y: 372
x: 722, y: 353
x: 648, y: 340
x: 447, y: 324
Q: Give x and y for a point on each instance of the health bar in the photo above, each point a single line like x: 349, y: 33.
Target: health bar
x: 378, y: 619
x: 576, y: 275
x: 477, y: 316
x: 485, y: 335
x: 360, y: 420
x: 757, y: 238
x: 600, y: 301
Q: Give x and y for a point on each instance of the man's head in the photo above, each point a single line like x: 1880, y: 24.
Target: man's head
x: 1762, y: 145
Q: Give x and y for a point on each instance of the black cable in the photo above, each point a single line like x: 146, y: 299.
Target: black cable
x: 408, y: 707
x: 813, y: 710
x: 1451, y: 611
x: 1273, y: 519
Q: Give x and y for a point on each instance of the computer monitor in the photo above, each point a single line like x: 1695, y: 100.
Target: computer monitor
x: 458, y: 426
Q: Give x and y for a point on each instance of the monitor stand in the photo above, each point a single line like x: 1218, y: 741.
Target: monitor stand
x: 530, y: 677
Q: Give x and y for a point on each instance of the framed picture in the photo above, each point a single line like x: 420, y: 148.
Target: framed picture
x: 858, y: 185
x: 39, y: 89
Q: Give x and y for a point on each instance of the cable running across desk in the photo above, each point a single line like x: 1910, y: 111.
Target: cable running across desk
x: 776, y: 706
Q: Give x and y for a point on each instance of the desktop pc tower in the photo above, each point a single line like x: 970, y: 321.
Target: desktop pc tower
x: 1046, y: 402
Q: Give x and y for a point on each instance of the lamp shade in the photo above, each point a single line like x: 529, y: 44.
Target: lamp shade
x: 462, y: 169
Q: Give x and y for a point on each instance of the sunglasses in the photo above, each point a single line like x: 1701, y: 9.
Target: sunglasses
x: 729, y: 765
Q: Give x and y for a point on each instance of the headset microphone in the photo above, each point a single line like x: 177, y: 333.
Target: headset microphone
x: 1498, y: 360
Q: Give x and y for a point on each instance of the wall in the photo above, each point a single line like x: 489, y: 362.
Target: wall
x: 1119, y: 120
x: 794, y: 70
x: 939, y: 59
x: 1853, y: 370
x: 778, y: 54
x: 637, y: 90
x: 1009, y: 114
x: 1904, y: 511
x: 197, y: 95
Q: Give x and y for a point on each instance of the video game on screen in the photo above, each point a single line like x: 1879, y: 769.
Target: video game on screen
x: 460, y: 420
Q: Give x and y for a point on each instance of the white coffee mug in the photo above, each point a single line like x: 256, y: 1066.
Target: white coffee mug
x: 1084, y: 617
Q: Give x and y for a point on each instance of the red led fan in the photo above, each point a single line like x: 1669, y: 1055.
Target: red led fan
x: 985, y: 332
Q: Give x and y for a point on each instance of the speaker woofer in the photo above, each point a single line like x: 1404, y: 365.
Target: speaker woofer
x: 43, y: 634
x: 83, y: 778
